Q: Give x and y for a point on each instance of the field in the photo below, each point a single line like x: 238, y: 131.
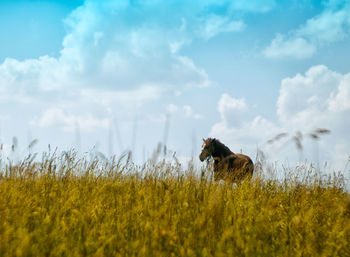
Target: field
x: 65, y: 205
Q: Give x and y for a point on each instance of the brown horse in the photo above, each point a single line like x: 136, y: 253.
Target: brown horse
x: 227, y: 165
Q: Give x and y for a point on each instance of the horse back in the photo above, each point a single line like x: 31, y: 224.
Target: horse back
x: 240, y: 166
x: 242, y: 158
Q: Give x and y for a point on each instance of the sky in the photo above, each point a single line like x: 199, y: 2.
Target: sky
x: 112, y: 76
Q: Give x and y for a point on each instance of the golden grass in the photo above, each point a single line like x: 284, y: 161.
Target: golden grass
x: 64, y: 206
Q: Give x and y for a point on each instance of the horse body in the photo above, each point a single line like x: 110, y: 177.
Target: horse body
x: 227, y: 165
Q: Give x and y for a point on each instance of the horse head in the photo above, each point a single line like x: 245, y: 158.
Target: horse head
x: 208, y: 148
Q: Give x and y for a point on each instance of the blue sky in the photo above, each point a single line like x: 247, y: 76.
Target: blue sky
x: 106, y: 74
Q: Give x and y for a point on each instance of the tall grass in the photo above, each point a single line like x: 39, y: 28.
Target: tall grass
x: 65, y: 205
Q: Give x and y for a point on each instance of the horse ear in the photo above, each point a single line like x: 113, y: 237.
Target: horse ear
x: 203, y: 139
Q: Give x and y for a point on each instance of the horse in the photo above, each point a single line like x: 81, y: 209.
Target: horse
x: 227, y: 165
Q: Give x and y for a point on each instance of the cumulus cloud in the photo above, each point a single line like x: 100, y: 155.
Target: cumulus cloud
x: 187, y: 111
x: 22, y: 80
x: 332, y: 25
x: 232, y: 110
x: 109, y: 46
x: 246, y: 136
x: 304, y: 99
x: 127, y: 97
x: 297, y: 47
x: 190, y: 113
x: 119, y: 53
x: 70, y: 122
x: 318, y: 99
x: 240, y: 132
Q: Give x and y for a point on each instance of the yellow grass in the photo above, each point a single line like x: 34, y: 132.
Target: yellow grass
x: 63, y: 206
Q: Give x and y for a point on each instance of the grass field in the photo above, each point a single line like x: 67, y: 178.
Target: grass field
x: 67, y: 206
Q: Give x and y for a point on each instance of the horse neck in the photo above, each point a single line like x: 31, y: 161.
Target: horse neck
x: 221, y: 150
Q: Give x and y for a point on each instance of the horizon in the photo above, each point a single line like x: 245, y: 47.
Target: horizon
x: 119, y: 75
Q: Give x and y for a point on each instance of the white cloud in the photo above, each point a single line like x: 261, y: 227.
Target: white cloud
x: 130, y: 98
x: 318, y: 99
x: 190, y: 113
x: 295, y: 47
x: 110, y: 47
x: 216, y: 24
x: 317, y: 96
x: 340, y: 100
x: 247, y: 135
x: 119, y: 56
x: 327, y: 27
x: 70, y: 122
x: 22, y: 80
x: 236, y: 129
x: 305, y: 99
x: 104, y: 50
x: 232, y: 110
x: 332, y: 25
x: 172, y: 108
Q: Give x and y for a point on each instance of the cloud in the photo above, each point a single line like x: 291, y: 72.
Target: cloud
x: 132, y: 98
x: 187, y: 111
x: 33, y: 78
x: 232, y: 110
x: 236, y: 129
x: 304, y: 99
x: 329, y: 26
x: 70, y: 122
x: 121, y: 56
x: 298, y: 48
x: 109, y: 46
x: 118, y: 44
x: 216, y: 24
x: 332, y: 25
x: 190, y: 113
x: 172, y: 108
x: 318, y: 99
x: 247, y: 135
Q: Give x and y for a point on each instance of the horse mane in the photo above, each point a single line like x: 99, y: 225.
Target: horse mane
x: 221, y: 148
